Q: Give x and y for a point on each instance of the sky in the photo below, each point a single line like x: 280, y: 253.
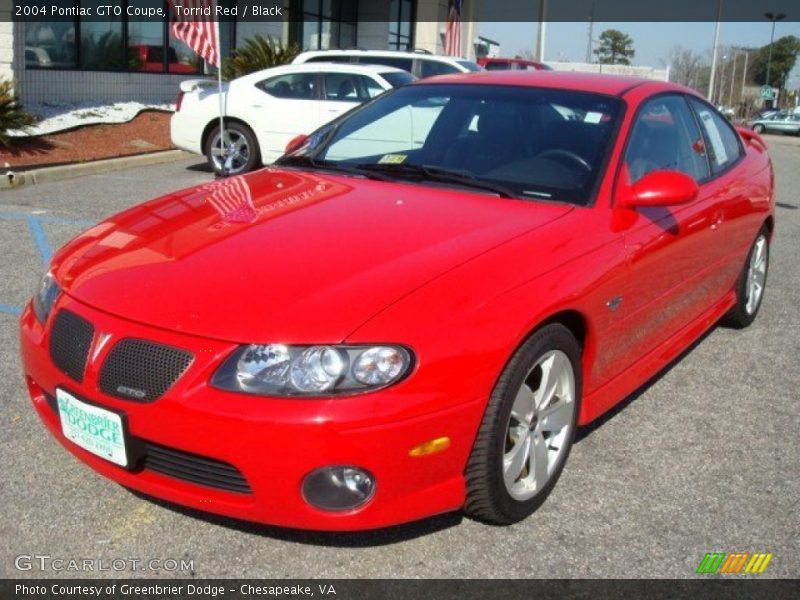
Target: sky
x: 652, y: 41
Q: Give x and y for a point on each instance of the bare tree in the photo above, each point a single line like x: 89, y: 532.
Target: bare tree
x: 525, y: 54
x: 686, y: 67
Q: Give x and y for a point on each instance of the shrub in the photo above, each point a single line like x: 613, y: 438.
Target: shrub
x: 12, y: 115
x: 258, y: 53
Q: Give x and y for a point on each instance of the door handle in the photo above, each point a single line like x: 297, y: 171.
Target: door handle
x: 716, y: 220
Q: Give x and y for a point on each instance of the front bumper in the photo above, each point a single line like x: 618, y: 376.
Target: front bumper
x: 274, y: 443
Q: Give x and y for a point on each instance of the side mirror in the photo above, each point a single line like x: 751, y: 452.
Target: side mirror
x: 295, y: 143
x: 660, y: 188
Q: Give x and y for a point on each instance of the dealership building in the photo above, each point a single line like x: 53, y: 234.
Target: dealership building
x: 80, y: 59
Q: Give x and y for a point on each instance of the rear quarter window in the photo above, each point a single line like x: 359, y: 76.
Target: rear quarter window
x: 724, y: 146
x: 430, y: 68
x: 405, y: 64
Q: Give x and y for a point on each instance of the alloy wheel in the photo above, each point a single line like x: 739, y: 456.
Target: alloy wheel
x: 756, y: 274
x: 539, y: 427
x: 236, y: 152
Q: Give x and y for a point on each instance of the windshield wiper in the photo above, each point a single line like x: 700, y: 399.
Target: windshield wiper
x: 430, y: 173
x: 325, y: 165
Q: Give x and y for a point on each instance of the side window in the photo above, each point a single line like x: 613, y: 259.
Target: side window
x: 297, y: 86
x: 347, y: 87
x: 370, y: 86
x: 434, y: 67
x: 387, y: 61
x: 665, y: 137
x: 333, y: 58
x: 722, y: 141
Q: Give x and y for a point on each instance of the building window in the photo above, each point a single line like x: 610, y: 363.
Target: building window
x: 328, y: 24
x: 50, y: 45
x: 120, y: 45
x: 401, y: 16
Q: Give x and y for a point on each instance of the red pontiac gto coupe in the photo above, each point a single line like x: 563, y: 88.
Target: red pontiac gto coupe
x: 413, y: 310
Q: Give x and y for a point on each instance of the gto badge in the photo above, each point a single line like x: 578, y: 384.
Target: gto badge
x: 132, y: 392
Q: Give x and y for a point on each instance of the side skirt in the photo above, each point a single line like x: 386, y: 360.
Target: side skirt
x: 638, y: 374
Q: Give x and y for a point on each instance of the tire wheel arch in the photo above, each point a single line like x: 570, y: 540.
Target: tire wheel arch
x: 486, y: 499
x: 212, y: 124
x: 213, y: 127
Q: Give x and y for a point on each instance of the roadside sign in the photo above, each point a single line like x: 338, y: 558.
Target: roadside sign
x: 767, y: 92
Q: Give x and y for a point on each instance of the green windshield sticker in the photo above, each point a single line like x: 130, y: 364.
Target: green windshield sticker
x: 392, y: 159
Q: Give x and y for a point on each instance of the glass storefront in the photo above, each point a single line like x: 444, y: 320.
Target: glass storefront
x: 401, y: 16
x: 327, y: 24
x: 119, y: 45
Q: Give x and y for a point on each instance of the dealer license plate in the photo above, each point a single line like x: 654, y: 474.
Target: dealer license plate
x: 92, y: 428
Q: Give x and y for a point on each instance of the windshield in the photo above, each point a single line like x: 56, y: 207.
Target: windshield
x: 398, y: 78
x: 531, y: 142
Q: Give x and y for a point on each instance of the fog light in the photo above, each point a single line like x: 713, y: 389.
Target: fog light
x: 338, y: 488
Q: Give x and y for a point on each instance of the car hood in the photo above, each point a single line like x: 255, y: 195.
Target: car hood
x: 283, y: 255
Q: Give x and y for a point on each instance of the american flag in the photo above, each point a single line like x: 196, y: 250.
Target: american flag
x: 197, y: 30
x: 232, y: 199
x: 452, y: 38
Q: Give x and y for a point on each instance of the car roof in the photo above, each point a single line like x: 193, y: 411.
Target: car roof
x: 510, y: 61
x: 352, y: 67
x: 386, y: 53
x: 610, y: 85
x: 317, y: 66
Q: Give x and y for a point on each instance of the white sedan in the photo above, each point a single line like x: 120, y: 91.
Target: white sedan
x: 265, y: 110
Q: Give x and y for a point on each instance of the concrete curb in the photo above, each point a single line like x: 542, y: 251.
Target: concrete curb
x: 12, y: 180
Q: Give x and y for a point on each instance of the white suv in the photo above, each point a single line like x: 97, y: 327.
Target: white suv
x: 420, y: 64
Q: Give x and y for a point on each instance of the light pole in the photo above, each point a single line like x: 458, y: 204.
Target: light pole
x: 774, y: 18
x: 542, y: 29
x: 589, y: 42
x: 733, y: 76
x: 714, y: 54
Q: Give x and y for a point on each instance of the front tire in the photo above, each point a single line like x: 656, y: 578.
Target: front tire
x: 751, y: 284
x: 758, y: 128
x: 241, y: 150
x: 527, y: 430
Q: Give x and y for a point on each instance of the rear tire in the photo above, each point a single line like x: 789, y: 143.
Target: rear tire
x: 241, y: 146
x: 751, y: 284
x: 533, y: 408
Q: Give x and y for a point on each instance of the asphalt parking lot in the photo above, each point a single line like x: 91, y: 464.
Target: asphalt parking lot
x: 704, y: 459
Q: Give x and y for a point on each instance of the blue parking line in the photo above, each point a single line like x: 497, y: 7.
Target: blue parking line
x: 45, y: 251
x: 11, y: 310
x: 21, y: 216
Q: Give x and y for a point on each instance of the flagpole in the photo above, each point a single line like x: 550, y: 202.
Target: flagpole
x: 222, y: 160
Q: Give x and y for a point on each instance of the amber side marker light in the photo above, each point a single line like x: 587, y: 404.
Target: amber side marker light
x: 430, y: 447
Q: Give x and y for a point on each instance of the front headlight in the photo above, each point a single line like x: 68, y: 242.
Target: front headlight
x: 44, y: 297
x: 280, y: 370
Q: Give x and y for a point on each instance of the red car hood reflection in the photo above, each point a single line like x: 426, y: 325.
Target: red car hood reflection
x: 283, y: 255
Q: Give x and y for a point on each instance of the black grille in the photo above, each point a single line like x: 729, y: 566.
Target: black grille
x: 142, y: 371
x: 179, y: 464
x: 70, y: 339
x: 194, y: 468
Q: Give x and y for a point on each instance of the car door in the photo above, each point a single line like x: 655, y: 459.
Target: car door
x: 282, y: 107
x: 342, y: 91
x: 775, y: 123
x: 671, y: 250
x: 732, y: 186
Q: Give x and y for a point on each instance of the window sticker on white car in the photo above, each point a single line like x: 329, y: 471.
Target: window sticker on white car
x: 392, y: 159
x: 592, y: 117
x: 720, y: 156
